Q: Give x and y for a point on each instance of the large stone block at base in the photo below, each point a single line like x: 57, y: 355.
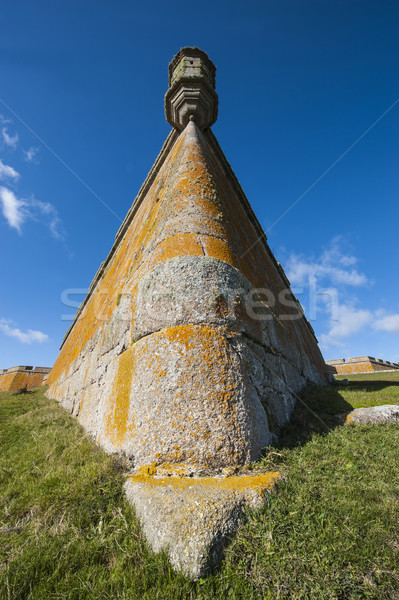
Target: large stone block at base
x: 184, y: 394
x: 192, y: 518
x: 372, y: 415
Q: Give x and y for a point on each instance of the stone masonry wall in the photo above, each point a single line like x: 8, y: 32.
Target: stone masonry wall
x: 164, y: 361
x: 361, y: 364
x: 16, y: 378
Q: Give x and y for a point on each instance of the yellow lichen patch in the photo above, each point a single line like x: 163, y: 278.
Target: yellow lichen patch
x: 190, y: 208
x: 184, y: 180
x: 217, y: 248
x: 177, y: 245
x: 165, y: 469
x: 263, y: 481
x: 147, y: 470
x: 200, y: 422
x: 117, y: 416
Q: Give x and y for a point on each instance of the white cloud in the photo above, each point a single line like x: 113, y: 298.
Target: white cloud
x: 7, y: 172
x: 332, y: 265
x: 13, y: 208
x: 30, y: 154
x: 333, y: 308
x: 350, y: 321
x: 9, y: 140
x: 25, y: 337
x: 51, y: 214
x: 17, y: 211
x: 388, y: 323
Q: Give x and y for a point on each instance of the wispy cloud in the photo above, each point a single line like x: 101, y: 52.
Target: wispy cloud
x: 30, y: 154
x: 351, y: 320
x: 8, y: 172
x: 337, y: 312
x: 13, y: 209
x: 25, y: 337
x: 336, y: 264
x: 18, y: 210
x: 387, y: 322
x: 50, y: 213
x: 9, y: 140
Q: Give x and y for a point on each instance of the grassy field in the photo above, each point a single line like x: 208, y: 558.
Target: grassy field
x: 371, y: 389
x: 329, y: 532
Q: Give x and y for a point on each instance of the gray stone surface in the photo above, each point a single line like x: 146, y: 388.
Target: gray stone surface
x: 193, y: 518
x: 193, y: 289
x: 182, y: 412
x: 188, y: 312
x: 374, y: 415
x: 191, y: 92
x: 177, y: 368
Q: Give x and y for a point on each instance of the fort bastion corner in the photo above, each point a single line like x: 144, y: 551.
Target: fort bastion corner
x: 175, y: 358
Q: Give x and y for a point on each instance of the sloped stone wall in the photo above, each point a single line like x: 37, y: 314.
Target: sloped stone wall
x: 16, y: 378
x: 176, y: 355
x: 361, y: 364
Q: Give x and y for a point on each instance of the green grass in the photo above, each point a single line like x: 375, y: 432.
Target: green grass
x: 370, y: 389
x: 376, y: 376
x: 329, y: 532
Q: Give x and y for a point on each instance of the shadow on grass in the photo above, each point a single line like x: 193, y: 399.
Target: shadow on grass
x: 23, y: 390
x: 314, y: 413
x: 367, y: 385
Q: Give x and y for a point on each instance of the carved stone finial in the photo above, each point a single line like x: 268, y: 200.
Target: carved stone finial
x: 191, y: 95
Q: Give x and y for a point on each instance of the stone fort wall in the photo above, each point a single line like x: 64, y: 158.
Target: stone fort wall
x: 163, y: 348
x: 16, y: 378
x: 360, y: 364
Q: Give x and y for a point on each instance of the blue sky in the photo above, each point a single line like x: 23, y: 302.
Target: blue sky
x: 299, y: 82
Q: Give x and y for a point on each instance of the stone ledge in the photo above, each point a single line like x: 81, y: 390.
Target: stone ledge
x: 192, y: 518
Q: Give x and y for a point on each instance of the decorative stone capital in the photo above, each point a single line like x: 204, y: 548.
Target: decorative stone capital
x: 191, y: 94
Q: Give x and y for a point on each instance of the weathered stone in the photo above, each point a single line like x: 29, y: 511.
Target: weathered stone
x: 16, y: 378
x: 361, y: 364
x: 189, y: 347
x: 184, y: 394
x: 191, y: 92
x: 373, y: 415
x: 193, y: 290
x: 193, y: 518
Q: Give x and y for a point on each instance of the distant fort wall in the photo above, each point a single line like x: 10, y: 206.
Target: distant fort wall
x: 16, y: 378
x: 360, y: 364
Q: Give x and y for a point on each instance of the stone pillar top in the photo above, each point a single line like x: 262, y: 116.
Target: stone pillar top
x: 191, y: 95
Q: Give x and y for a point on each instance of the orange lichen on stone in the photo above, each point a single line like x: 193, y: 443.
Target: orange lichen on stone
x: 117, y: 414
x: 16, y: 378
x: 176, y: 245
x: 192, y: 208
x: 217, y: 248
x: 182, y: 386
x: 263, y: 481
x: 169, y: 469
